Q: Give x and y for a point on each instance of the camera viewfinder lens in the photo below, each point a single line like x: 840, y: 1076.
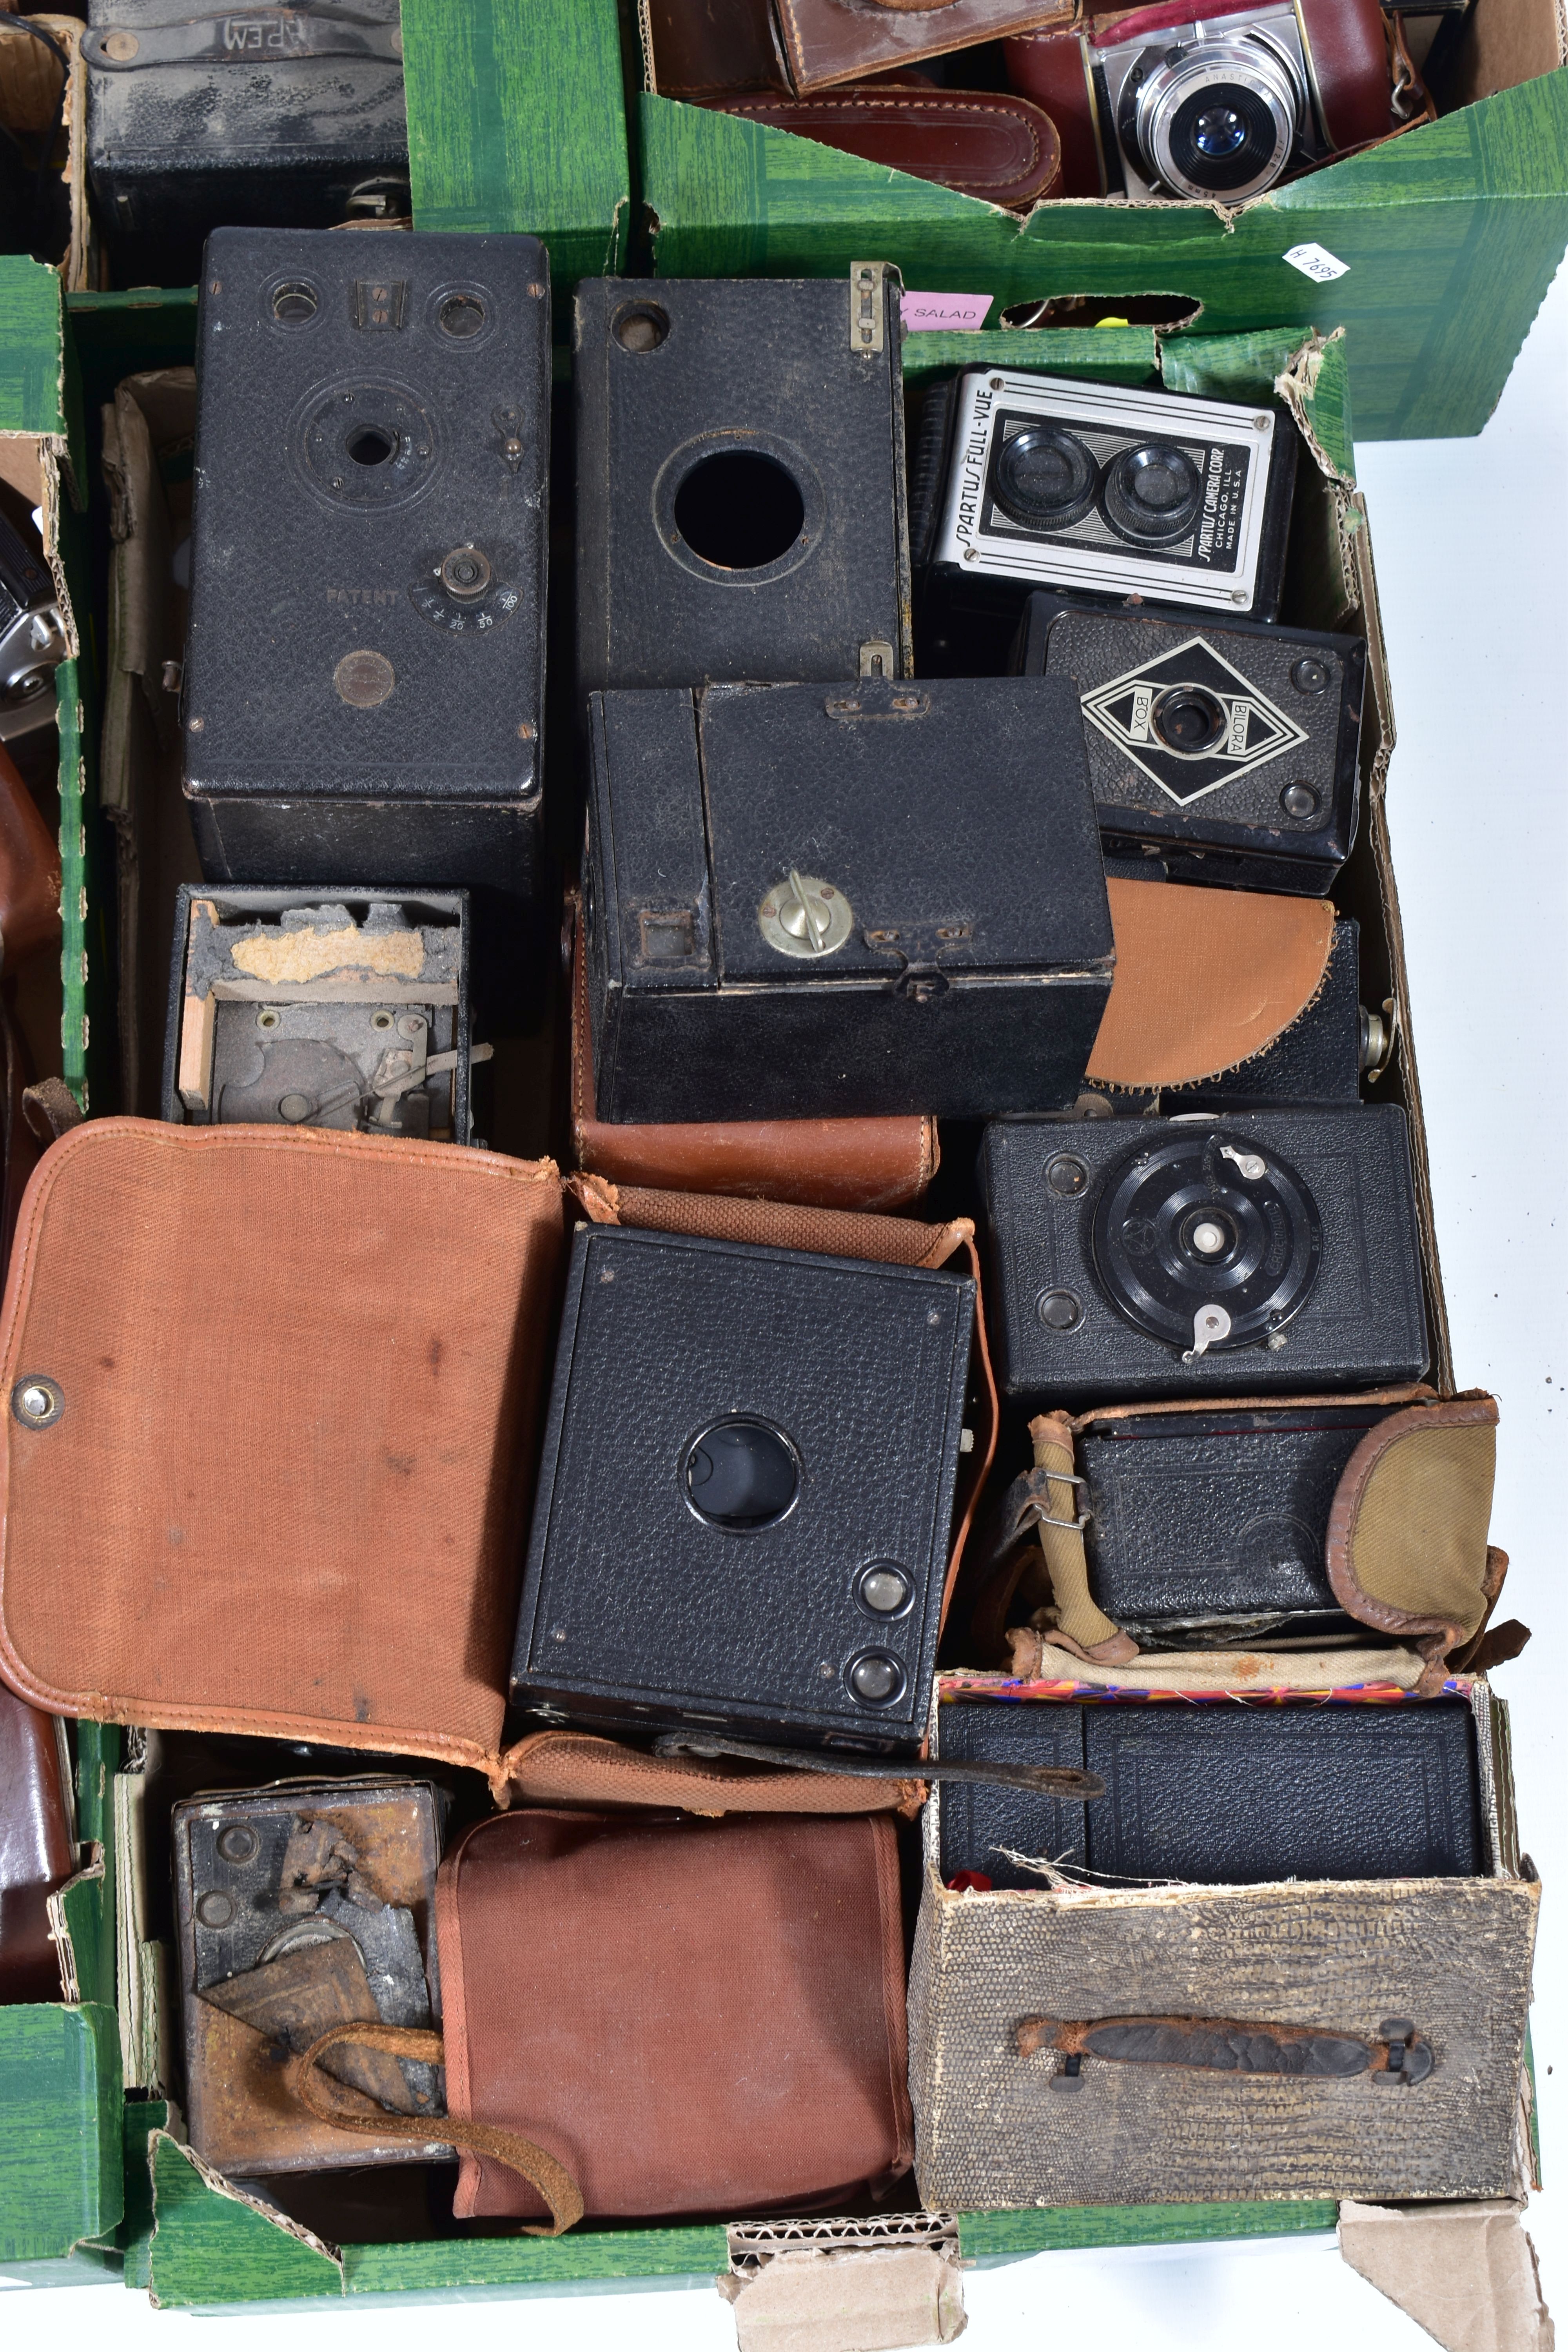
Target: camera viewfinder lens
x: 1189, y: 719
x: 1046, y: 478
x: 1153, y: 494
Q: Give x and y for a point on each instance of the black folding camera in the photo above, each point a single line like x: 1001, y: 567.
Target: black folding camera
x: 746, y: 1491
x: 739, y: 480
x: 1103, y: 490
x: 364, y: 667
x: 1218, y: 1794
x: 1215, y: 1524
x: 261, y: 117
x: 353, y: 1012
x: 790, y: 915
x: 1166, y: 1257
x: 1321, y: 1056
x: 1219, y: 753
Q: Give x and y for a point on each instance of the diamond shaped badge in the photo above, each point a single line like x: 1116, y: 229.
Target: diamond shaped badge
x: 1191, y: 721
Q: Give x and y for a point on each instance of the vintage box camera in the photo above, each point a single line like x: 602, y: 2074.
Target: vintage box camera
x: 1215, y: 104
x: 739, y: 480
x: 1218, y: 1795
x: 1250, y: 1250
x: 1223, y: 752
x: 350, y: 1013
x: 1107, y: 491
x: 869, y: 899
x: 299, y: 1906
x: 1215, y: 1525
x: 265, y: 117
x: 746, y: 1491
x: 364, y: 667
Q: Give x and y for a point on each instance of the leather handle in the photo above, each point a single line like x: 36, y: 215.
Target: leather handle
x: 1397, y: 2057
x: 534, y: 2164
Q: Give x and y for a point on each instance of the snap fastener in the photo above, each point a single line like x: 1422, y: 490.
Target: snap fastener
x: 38, y: 1402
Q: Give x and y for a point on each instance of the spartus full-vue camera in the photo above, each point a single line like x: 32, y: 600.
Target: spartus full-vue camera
x: 1104, y: 492
x: 1227, y: 751
x: 1202, y: 1253
x: 746, y: 1491
x: 1209, y: 103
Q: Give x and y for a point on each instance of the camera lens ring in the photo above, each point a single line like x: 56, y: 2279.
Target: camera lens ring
x: 745, y: 1463
x: 1043, y: 477
x: 1189, y: 720
x: 1246, y: 75
x: 1152, y: 493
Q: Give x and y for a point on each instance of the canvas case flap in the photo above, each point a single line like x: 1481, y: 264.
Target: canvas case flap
x: 291, y: 1378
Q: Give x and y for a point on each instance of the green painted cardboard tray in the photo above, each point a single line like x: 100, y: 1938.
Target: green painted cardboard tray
x: 1450, y: 233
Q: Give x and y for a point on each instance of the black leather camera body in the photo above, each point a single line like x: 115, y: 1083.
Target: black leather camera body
x: 1208, y: 1253
x: 1221, y: 751
x: 363, y: 679
x: 739, y: 480
x: 1218, y: 1794
x: 258, y: 118
x: 788, y: 918
x: 1215, y: 1524
x: 347, y: 1009
x: 746, y: 1492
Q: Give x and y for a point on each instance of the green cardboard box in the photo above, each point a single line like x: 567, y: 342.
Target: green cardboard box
x: 1449, y: 235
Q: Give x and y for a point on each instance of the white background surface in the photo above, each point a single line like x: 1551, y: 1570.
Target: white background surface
x: 1472, y: 560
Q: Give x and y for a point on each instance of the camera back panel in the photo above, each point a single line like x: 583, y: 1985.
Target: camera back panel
x: 739, y: 480
x: 746, y: 1490
x: 1254, y: 1250
x: 1228, y: 751
x: 248, y: 120
x: 364, y: 667
x: 952, y: 952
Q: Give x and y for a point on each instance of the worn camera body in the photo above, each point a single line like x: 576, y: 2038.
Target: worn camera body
x: 1218, y: 1795
x: 1212, y: 1527
x: 1215, y: 104
x: 33, y: 638
x: 1321, y: 1056
x: 866, y: 899
x: 263, y: 117
x: 364, y: 668
x: 299, y: 1906
x: 746, y: 1491
x: 739, y: 480
x: 1108, y: 493
x: 1207, y: 1252
x: 351, y: 1012
x: 1223, y: 752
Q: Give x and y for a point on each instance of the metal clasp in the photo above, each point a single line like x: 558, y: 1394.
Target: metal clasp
x: 866, y: 306
x: 1033, y: 1514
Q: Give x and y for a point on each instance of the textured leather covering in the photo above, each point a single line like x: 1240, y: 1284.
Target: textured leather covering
x: 1363, y: 1322
x: 830, y: 1163
x: 298, y: 1373
x: 1315, y: 1059
x: 574, y: 1768
x: 1204, y: 978
x: 804, y: 45
x: 998, y: 2129
x: 1407, y: 1543
x: 37, y: 1852
x: 1051, y: 68
x: 692, y: 2017
x: 984, y: 142
x: 758, y: 368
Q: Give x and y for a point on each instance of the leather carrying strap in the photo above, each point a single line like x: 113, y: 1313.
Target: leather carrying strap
x: 1045, y: 1500
x: 1042, y: 1780
x: 1397, y: 2058
x: 524, y: 2156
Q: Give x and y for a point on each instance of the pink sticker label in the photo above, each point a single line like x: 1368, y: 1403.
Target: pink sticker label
x: 944, y: 312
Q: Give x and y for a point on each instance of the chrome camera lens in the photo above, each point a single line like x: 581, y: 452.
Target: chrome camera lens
x: 1218, y: 117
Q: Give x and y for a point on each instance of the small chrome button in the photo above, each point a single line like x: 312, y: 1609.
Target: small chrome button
x: 38, y: 1402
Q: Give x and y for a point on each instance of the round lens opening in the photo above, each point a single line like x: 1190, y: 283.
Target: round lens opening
x: 1153, y: 494
x: 1046, y: 478
x: 884, y: 1590
x: 294, y: 303
x: 642, y: 329
x: 1189, y: 719
x: 1227, y: 137
x: 738, y: 510
x: 1218, y: 131
x: 742, y: 1476
x: 371, y: 444
x: 461, y: 315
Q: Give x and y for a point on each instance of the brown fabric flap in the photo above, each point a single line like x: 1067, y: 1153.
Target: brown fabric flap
x: 830, y: 1163
x: 1204, y: 979
x: 577, y: 1768
x: 690, y: 2016
x: 298, y: 1373
x: 1407, y: 1547
x: 835, y: 1233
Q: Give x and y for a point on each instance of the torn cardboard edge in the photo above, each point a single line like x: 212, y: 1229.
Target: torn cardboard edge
x: 60, y: 1925
x: 33, y: 465
x: 1465, y: 2273
x: 815, y: 2298
x: 221, y: 2186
